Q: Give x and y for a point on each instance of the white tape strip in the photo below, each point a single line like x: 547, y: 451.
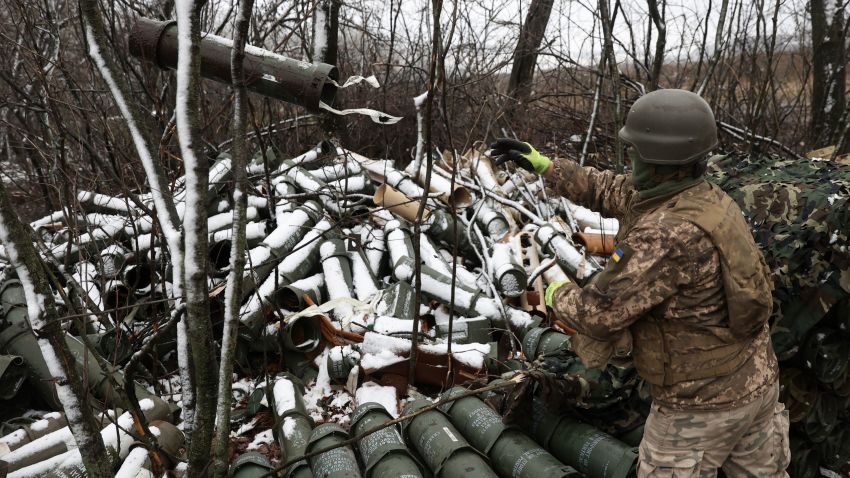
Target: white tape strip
x: 376, y: 116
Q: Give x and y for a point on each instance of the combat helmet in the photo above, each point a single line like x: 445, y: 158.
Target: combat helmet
x: 670, y: 127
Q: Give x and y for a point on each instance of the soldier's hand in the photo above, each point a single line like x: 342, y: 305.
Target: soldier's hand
x: 522, y: 154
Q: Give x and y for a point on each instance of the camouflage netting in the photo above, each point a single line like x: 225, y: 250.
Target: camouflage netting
x: 799, y: 212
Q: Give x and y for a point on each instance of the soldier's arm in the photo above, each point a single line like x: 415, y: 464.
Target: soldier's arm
x: 654, y: 261
x: 602, y: 191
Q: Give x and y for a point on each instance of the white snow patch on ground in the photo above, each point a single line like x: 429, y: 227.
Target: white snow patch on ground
x: 263, y: 438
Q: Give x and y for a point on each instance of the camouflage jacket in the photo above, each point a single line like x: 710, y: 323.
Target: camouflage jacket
x: 672, y: 272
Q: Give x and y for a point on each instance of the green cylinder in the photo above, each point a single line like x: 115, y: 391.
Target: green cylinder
x: 544, y: 341
x: 18, y: 339
x: 13, y: 373
x: 293, y: 425
x: 303, y: 334
x: 337, y: 463
x: 340, y: 362
x: 592, y: 452
x: 250, y: 465
x: 383, y: 452
x: 441, y: 226
x: 512, y: 453
x: 441, y: 446
x: 397, y: 301
x: 291, y: 297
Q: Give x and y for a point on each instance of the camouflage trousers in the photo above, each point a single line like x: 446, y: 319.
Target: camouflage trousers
x: 751, y: 440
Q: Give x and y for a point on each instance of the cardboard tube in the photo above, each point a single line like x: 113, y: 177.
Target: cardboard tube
x: 458, y: 196
x: 602, y: 244
x: 397, y: 203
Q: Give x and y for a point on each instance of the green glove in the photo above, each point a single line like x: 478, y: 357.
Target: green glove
x: 549, y: 296
x: 522, y: 154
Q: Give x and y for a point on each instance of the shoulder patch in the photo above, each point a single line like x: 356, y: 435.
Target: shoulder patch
x: 618, y: 254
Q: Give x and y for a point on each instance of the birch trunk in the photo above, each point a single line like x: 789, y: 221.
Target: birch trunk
x: 44, y: 321
x: 233, y: 293
x: 198, y: 326
x: 169, y: 222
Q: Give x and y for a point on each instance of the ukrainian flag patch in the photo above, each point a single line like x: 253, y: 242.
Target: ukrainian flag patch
x: 617, y: 255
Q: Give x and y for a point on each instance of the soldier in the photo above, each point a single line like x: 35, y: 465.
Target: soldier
x: 686, y: 292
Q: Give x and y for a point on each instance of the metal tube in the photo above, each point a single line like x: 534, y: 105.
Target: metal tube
x: 337, y: 269
x: 292, y: 423
x: 383, y: 453
x: 337, y: 463
x: 363, y: 281
x: 511, y: 452
x: 50, y: 423
x: 266, y: 73
x: 441, y: 446
x: 556, y: 244
x: 510, y: 278
x: 372, y: 239
x: 291, y: 297
x: 493, y: 221
x: 18, y: 339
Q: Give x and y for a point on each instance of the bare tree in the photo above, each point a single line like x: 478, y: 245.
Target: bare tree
x: 233, y: 293
x: 45, y: 324
x: 659, y: 20
x: 198, y: 323
x: 525, y: 55
x: 829, y: 70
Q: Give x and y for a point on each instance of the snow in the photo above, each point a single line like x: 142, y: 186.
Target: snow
x: 393, y: 326
x: 320, y: 389
x: 383, y: 395
x: 377, y: 361
x: 265, y: 437
x: 289, y: 426
x: 376, y: 344
x: 361, y: 277
x: 284, y: 396
x: 136, y: 460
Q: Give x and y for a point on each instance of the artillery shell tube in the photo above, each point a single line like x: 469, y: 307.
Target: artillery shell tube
x: 293, y: 423
x: 50, y: 423
x: 340, y: 362
x: 589, y: 450
x: 337, y: 269
x: 302, y: 334
x: 441, y: 226
x: 399, y: 244
x: 372, y: 239
x: 250, y: 465
x: 512, y: 453
x: 384, y: 452
x: 337, y: 463
x: 338, y: 171
x: 271, y: 74
x: 510, y: 277
x: 292, y: 228
x: 20, y: 340
x: 299, y: 263
x: 363, y: 281
x: 441, y: 446
x: 544, y: 341
x: 493, y: 221
x: 291, y: 297
x: 553, y: 242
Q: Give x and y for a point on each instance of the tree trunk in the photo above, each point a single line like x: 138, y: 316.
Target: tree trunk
x: 198, y: 324
x: 658, y: 19
x: 829, y: 71
x: 614, y: 71
x: 233, y: 293
x: 169, y: 222
x: 44, y: 321
x: 525, y: 55
x: 326, y: 31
